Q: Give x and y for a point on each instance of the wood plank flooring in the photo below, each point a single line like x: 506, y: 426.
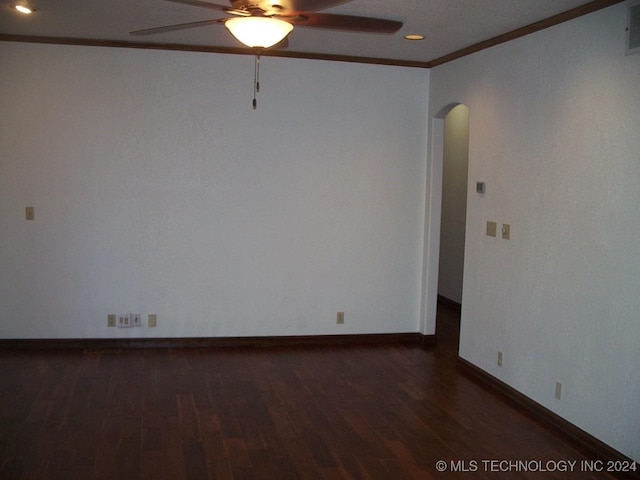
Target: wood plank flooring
x: 349, y: 412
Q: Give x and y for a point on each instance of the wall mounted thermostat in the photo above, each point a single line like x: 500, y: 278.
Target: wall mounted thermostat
x: 480, y: 187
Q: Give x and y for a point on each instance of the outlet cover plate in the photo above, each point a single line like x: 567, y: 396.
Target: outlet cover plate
x: 124, y: 321
x: 558, y: 394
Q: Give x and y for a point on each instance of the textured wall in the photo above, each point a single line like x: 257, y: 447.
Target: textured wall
x: 554, y: 132
x: 157, y: 189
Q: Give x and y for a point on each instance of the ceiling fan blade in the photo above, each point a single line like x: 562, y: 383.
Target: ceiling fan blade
x: 282, y: 44
x: 287, y: 5
x: 179, y: 26
x: 312, y: 5
x: 347, y: 23
x: 212, y: 6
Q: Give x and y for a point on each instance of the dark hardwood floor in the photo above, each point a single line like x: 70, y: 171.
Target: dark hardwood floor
x: 347, y: 412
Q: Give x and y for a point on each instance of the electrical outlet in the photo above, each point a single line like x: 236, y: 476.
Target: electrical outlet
x: 124, y: 321
x: 136, y: 319
x: 152, y: 320
x: 340, y: 318
x: 111, y: 320
x: 558, y: 391
x: 499, y: 359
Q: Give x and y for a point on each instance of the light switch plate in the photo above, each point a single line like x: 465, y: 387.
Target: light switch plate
x: 135, y: 319
x: 506, y: 231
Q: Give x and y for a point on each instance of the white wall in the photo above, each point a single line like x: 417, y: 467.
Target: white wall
x: 157, y: 189
x: 554, y: 122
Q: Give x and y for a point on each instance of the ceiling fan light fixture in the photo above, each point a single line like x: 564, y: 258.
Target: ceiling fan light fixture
x: 258, y: 32
x: 414, y: 36
x: 24, y: 9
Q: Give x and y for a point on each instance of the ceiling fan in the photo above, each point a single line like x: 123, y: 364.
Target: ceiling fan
x: 265, y: 23
x: 261, y: 24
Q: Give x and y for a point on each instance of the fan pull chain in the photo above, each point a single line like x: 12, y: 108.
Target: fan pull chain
x: 256, y: 80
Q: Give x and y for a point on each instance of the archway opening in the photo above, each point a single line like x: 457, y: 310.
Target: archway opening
x: 458, y: 144
x: 453, y: 218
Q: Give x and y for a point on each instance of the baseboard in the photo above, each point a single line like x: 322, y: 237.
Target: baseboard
x: 96, y: 345
x: 584, y: 442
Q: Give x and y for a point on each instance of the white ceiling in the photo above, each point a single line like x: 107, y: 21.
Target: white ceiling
x: 448, y: 25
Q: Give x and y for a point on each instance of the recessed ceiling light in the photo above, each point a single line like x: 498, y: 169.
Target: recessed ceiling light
x: 24, y: 9
x: 414, y: 36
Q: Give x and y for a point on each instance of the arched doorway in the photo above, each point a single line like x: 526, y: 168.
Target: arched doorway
x: 458, y: 130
